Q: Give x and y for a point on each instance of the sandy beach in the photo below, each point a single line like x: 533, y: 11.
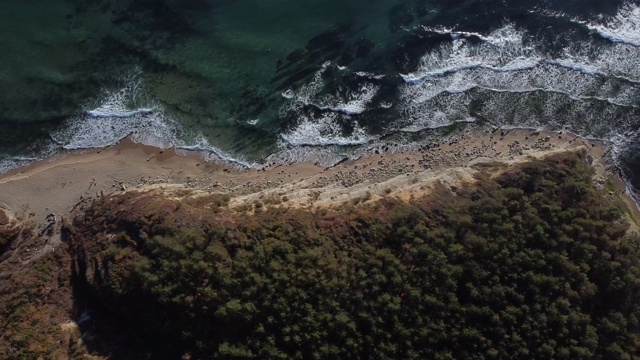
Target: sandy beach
x: 56, y: 187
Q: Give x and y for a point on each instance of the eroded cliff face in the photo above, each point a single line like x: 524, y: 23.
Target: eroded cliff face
x: 530, y: 261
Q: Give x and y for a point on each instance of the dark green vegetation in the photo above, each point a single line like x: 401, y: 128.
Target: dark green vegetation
x: 533, y: 263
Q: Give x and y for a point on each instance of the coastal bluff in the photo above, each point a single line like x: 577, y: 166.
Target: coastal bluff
x: 516, y: 243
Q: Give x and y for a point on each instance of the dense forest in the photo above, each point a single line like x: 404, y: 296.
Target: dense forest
x: 533, y: 263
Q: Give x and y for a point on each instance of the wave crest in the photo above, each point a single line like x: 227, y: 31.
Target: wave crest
x: 623, y: 28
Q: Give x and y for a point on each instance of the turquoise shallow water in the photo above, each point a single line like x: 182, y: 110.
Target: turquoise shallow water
x: 253, y: 81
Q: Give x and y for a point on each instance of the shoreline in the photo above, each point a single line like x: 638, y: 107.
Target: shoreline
x: 59, y: 185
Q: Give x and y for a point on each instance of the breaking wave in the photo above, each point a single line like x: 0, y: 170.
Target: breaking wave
x: 128, y: 112
x: 505, y: 49
x: 509, y: 73
x: 324, y: 131
x: 213, y: 154
x: 506, y: 78
x: 326, y: 119
x: 122, y: 113
x: 623, y: 28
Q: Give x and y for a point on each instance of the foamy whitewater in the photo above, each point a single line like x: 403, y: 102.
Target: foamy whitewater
x: 128, y: 112
x: 583, y: 89
x: 586, y: 79
x: 119, y: 114
x: 624, y: 28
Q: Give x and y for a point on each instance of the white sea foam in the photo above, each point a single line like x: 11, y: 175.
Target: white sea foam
x: 118, y: 114
x: 512, y: 54
x: 623, y: 28
x: 90, y: 132
x: 549, y: 76
x: 386, y: 105
x: 303, y: 96
x: 499, y: 37
x: 351, y: 103
x: 570, y: 62
x: 344, y: 101
x: 323, y: 132
x: 110, y: 113
x: 112, y: 120
x: 115, y: 118
x: 11, y: 163
x: 370, y: 75
x: 541, y: 10
x: 324, y: 128
x: 555, y: 111
x: 435, y: 112
x: 288, y: 94
x: 323, y: 156
x: 213, y: 154
x: 535, y: 109
x: 616, y: 60
x: 309, y: 91
x: 505, y: 49
x: 441, y: 91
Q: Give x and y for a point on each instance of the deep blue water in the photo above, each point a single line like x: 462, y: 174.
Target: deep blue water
x: 283, y: 80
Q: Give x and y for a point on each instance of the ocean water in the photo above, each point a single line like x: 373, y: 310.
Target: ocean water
x: 254, y: 82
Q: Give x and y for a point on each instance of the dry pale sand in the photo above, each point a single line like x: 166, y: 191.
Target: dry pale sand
x: 58, y: 186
